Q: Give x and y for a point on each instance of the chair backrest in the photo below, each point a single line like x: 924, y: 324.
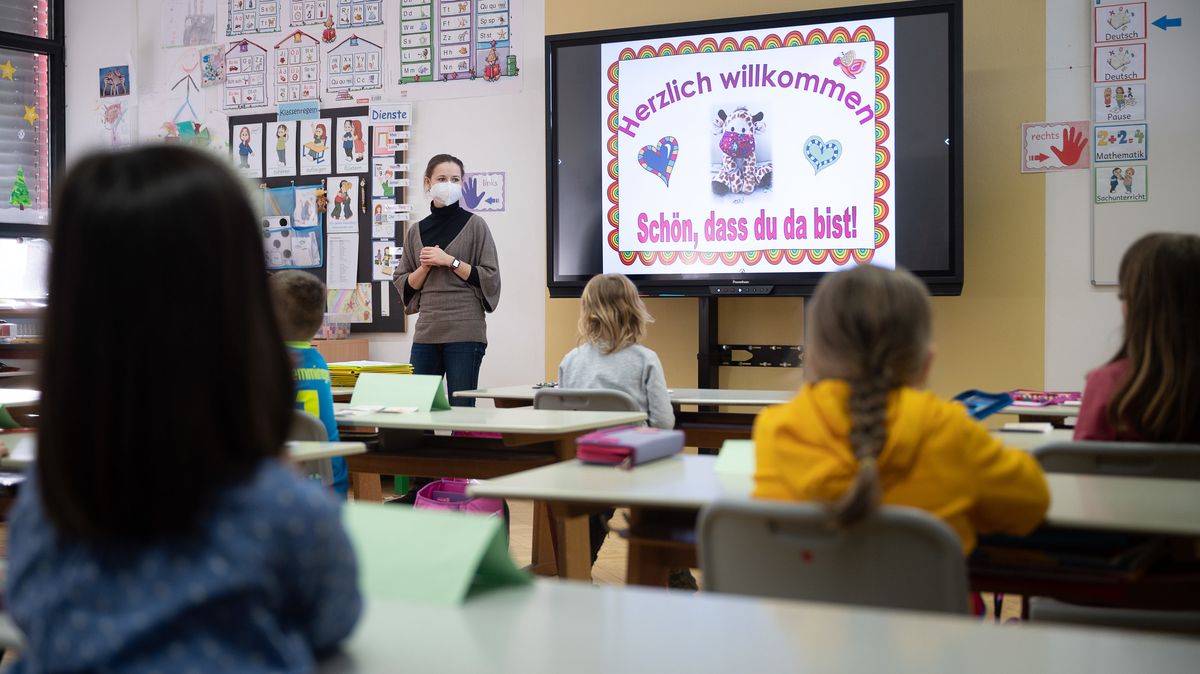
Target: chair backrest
x: 1127, y: 459
x: 897, y: 558
x: 306, y: 427
x: 584, y: 400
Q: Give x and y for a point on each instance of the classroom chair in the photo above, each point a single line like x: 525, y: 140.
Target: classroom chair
x: 897, y: 558
x: 1125, y: 459
x: 307, y: 428
x: 1118, y: 459
x: 584, y: 400
x: 588, y: 400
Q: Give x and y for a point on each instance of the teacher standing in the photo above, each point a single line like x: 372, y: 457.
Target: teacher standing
x: 450, y: 275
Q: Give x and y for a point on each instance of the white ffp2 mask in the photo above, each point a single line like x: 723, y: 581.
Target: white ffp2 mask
x: 448, y: 193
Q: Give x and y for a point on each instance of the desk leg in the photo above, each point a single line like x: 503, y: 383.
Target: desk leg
x: 542, y: 561
x: 571, y: 548
x: 366, y: 487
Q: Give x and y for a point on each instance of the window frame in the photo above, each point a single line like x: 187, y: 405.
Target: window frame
x: 54, y: 48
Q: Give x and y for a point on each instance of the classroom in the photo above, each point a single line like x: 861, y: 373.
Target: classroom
x: 544, y: 336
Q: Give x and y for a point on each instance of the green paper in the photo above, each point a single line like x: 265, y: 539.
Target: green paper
x: 428, y: 555
x: 6, y: 420
x: 424, y: 391
x: 736, y: 458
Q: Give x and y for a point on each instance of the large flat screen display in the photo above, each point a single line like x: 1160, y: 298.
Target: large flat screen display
x: 759, y: 152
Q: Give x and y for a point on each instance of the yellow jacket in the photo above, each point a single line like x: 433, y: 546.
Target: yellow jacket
x: 936, y: 458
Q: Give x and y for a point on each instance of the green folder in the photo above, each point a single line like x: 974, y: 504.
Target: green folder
x: 736, y: 458
x: 427, y: 555
x: 423, y: 391
x: 6, y: 420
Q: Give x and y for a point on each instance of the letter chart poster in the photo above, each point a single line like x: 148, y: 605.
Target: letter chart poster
x: 752, y: 152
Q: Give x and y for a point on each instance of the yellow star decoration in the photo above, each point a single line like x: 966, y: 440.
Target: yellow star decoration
x: 7, y: 70
x: 31, y: 115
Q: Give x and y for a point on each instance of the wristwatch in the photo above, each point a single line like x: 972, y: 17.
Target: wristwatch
x: 454, y: 265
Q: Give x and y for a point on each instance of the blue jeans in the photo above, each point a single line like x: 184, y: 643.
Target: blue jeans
x: 459, y: 361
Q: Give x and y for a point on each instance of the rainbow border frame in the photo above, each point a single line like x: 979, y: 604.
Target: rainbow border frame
x: 883, y: 107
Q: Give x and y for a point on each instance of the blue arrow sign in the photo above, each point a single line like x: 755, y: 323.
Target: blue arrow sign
x: 1164, y: 23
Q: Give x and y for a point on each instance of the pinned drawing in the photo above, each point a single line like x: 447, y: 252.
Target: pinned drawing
x: 114, y: 119
x: 297, y: 68
x: 186, y: 126
x: 188, y: 23
x: 114, y: 81
x: 245, y: 76
x: 212, y: 66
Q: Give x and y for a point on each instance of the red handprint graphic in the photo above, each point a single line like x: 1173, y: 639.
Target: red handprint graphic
x: 1072, y: 147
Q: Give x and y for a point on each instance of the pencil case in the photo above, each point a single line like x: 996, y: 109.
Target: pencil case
x: 982, y: 405
x: 451, y: 494
x: 628, y: 446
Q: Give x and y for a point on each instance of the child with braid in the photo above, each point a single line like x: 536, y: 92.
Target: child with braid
x: 862, y: 432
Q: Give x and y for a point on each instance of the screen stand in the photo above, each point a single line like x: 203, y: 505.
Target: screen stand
x: 708, y: 358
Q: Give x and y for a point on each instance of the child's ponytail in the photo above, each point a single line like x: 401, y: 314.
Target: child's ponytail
x: 870, y: 327
x: 868, y: 432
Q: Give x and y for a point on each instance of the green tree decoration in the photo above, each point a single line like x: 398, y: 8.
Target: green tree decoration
x: 20, y: 191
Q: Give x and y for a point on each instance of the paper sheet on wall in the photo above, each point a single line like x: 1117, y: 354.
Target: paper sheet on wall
x: 385, y: 299
x: 343, y: 194
x: 187, y: 23
x: 342, y: 256
x: 355, y: 303
x: 383, y: 263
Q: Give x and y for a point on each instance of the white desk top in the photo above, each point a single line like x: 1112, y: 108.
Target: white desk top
x: 1144, y: 505
x: 313, y: 451
x: 552, y: 627
x: 679, y: 396
x: 1050, y: 411
x: 1031, y: 441
x: 19, y: 396
x: 479, y: 419
x: 22, y: 449
x: 18, y: 373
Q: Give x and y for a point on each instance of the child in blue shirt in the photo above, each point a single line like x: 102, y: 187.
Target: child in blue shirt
x: 162, y: 529
x: 299, y: 299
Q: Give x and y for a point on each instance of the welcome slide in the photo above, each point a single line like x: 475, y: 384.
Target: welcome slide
x: 764, y: 151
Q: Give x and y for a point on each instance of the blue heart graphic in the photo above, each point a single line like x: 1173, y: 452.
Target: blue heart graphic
x: 821, y: 154
x: 660, y: 159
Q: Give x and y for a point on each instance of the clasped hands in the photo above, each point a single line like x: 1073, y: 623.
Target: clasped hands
x: 434, y: 256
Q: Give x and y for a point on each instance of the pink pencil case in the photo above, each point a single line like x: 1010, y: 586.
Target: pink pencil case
x: 628, y: 446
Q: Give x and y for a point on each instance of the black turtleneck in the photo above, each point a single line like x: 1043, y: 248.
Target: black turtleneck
x: 441, y: 227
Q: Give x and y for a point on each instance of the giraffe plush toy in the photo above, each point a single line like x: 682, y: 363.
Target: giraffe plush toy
x: 740, y: 172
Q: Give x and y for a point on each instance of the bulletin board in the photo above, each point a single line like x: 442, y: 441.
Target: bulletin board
x: 356, y: 216
x: 1157, y: 101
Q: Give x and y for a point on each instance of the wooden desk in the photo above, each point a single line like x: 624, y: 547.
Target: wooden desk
x: 665, y: 496
x: 704, y: 427
x: 341, y: 350
x: 555, y: 627
x: 342, y: 394
x: 528, y: 438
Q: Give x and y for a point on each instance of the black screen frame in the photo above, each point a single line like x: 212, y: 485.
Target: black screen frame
x: 947, y: 282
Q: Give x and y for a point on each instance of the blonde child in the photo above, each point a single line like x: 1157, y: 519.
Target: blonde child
x: 861, y: 431
x: 1150, y: 389
x: 612, y: 325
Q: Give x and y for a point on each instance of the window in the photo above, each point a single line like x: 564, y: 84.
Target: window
x: 32, y: 111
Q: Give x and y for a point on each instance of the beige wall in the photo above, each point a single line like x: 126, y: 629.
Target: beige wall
x: 992, y: 336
